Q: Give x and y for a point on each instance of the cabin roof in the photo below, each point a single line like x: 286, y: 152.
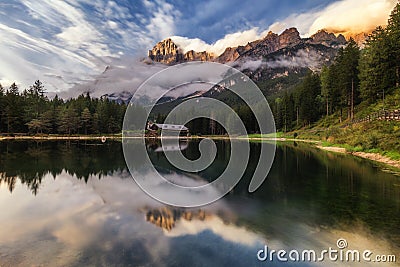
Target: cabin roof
x: 172, y: 127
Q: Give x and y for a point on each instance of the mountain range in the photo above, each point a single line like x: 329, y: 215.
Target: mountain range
x: 167, y: 52
x: 275, y: 62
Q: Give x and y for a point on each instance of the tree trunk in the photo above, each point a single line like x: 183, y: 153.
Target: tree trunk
x: 327, y: 106
x: 352, y: 99
x: 348, y: 106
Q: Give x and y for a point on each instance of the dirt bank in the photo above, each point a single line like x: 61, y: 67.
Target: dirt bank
x: 371, y: 156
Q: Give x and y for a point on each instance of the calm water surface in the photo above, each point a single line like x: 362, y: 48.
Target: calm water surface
x: 75, y: 204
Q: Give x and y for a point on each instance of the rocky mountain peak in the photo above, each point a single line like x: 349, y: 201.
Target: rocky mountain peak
x: 169, y: 53
x: 232, y: 53
x: 198, y: 56
x: 290, y: 37
x: 328, y: 39
x: 271, y: 33
x: 269, y: 44
x: 166, y: 52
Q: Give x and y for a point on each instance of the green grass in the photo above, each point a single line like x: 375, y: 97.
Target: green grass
x: 272, y: 135
x: 381, y: 137
x: 395, y: 155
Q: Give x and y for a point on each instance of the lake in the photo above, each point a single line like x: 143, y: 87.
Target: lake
x: 70, y: 203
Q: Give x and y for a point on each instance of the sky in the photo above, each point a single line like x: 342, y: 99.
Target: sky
x: 66, y: 43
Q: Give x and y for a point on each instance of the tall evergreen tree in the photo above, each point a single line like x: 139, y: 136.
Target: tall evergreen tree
x: 393, y: 31
x: 68, y: 121
x: 376, y: 75
x: 326, y: 88
x: 13, y: 110
x: 85, y: 120
x: 347, y: 80
x: 1, y: 108
x: 308, y: 92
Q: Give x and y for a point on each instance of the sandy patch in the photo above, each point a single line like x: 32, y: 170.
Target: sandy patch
x: 371, y: 156
x: 378, y: 157
x: 333, y: 149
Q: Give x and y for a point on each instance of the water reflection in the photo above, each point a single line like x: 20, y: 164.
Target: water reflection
x: 86, y: 209
x: 101, y: 222
x: 167, y: 217
x: 156, y: 146
x: 31, y: 161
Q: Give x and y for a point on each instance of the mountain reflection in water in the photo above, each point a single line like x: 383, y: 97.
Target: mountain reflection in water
x: 74, y: 204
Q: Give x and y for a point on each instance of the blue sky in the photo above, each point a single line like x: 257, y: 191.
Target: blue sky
x: 68, y: 42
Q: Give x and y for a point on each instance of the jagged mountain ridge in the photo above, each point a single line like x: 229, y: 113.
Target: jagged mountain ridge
x: 167, y: 52
x: 274, y: 42
x: 288, y: 39
x: 275, y: 63
x: 273, y: 58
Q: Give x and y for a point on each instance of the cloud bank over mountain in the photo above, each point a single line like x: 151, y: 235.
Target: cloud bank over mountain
x: 346, y: 17
x: 66, y: 43
x: 341, y: 17
x: 217, y: 48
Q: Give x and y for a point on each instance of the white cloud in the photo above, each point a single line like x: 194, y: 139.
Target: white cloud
x: 353, y: 16
x: 162, y: 22
x: 302, y: 59
x: 301, y: 21
x: 63, y: 39
x: 228, y: 232
x: 76, y: 32
x: 112, y: 24
x: 125, y: 74
x: 25, y: 59
x: 59, y: 41
x: 346, y: 16
x: 340, y: 17
x: 229, y: 40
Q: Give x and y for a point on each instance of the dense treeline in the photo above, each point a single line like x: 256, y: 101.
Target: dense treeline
x: 31, y: 111
x: 357, y: 75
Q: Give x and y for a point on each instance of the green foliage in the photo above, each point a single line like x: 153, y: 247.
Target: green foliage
x: 86, y: 119
x: 358, y: 82
x: 383, y: 137
x: 376, y: 72
x: 33, y: 112
x: 308, y: 92
x: 13, y: 112
x: 380, y: 61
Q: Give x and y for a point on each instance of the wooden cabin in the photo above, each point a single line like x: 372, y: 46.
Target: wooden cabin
x: 155, y: 129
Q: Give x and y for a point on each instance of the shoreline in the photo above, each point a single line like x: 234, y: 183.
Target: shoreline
x: 365, y: 155
x: 318, y: 144
x: 52, y: 138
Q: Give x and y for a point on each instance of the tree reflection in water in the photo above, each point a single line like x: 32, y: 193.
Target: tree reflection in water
x: 31, y: 161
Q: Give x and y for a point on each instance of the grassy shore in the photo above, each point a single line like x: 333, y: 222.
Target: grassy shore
x: 375, y: 140
x: 60, y: 137
x: 318, y: 138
